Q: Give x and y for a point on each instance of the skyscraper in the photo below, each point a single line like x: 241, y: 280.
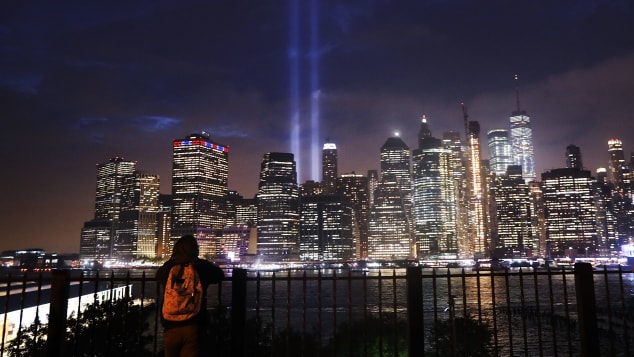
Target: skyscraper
x: 477, y: 230
x: 618, y: 168
x: 500, y: 157
x: 326, y: 229
x: 513, y: 215
x: 522, y: 141
x: 329, y: 167
x: 570, y: 212
x: 353, y: 189
x: 573, y: 157
x: 278, y: 208
x: 199, y: 189
x: 388, y: 233
x: 434, y: 198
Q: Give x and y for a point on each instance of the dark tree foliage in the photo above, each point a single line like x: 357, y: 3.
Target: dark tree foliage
x: 110, y: 328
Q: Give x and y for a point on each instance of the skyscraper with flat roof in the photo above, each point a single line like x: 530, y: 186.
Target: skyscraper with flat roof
x: 500, y: 157
x: 329, y: 167
x: 200, y: 170
x: 278, y: 208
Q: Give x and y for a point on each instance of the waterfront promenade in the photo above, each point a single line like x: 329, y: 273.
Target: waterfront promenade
x: 379, y: 312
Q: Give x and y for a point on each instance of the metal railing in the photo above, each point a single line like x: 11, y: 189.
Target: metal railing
x: 389, y: 312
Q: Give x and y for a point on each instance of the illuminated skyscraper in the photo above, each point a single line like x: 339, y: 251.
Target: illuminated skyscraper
x: 329, y: 167
x: 477, y: 230
x: 513, y: 215
x: 326, y: 229
x: 451, y: 141
x: 618, y: 168
x: 522, y: 141
x: 388, y: 233
x: 126, y: 208
x: 500, y: 157
x: 278, y: 208
x: 434, y: 196
x: 199, y: 189
x: 353, y: 189
x: 570, y: 212
x: 373, y: 182
x: 396, y: 163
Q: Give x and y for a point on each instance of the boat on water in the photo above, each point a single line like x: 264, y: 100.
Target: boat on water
x: 489, y: 265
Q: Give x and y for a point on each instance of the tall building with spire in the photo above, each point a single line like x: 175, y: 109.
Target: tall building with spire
x: 522, y: 141
x: 200, y: 170
x: 329, y: 167
x: 434, y: 196
x: 500, y: 157
x: 278, y: 208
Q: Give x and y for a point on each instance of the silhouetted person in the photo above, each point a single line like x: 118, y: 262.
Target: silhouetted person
x: 183, y: 307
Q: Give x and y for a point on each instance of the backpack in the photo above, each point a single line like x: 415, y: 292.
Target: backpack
x: 183, y: 294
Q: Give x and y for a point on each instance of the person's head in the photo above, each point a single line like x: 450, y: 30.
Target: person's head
x: 185, y: 249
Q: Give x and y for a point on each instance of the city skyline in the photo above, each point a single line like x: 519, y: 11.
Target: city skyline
x: 80, y: 84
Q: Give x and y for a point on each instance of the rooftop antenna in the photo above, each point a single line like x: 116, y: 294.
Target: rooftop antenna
x: 517, y: 91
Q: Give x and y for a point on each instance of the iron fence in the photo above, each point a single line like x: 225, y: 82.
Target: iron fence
x: 383, y: 312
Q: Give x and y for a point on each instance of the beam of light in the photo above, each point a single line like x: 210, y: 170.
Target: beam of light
x: 314, y: 90
x: 293, y: 55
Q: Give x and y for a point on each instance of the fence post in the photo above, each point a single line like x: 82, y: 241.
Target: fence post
x: 414, y: 278
x: 586, y: 310
x: 60, y: 286
x: 238, y: 311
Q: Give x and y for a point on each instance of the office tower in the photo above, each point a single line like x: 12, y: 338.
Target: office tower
x: 234, y: 241
x: 388, y: 227
x: 326, y: 229
x: 618, y: 168
x: 607, y: 219
x: 329, y: 167
x: 373, y: 182
x: 451, y: 141
x: 164, y: 226
x: 247, y: 212
x: 573, y: 157
x: 110, y: 178
x: 199, y: 189
x: 500, y: 156
x: 126, y: 208
x: 311, y: 188
x: 137, y: 228
x: 477, y: 232
x: 353, y: 189
x: 538, y: 219
x: 570, y: 212
x: 278, y: 208
x: 434, y: 198
x: 522, y: 141
x: 395, y: 160
x: 513, y: 215
x: 98, y: 235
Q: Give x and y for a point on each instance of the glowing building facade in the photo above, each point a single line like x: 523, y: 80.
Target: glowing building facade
x: 353, y: 189
x: 278, y: 208
x: 522, y: 144
x: 434, y: 196
x: 200, y: 170
x: 326, y: 229
x: 500, y: 156
x: 477, y: 230
x: 570, y: 212
x: 618, y: 168
x: 329, y: 167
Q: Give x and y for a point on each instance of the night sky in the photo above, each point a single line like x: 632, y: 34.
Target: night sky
x: 84, y: 81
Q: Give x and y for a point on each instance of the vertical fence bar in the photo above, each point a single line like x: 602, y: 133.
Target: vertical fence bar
x: 523, y: 312
x: 6, y: 313
x: 395, y: 312
x: 60, y: 283
x: 414, y: 278
x: 435, y: 306
x: 566, y: 309
x: 452, y: 316
x: 508, y: 312
x: 238, y: 311
x: 334, y: 311
x: 273, y: 324
x: 538, y: 314
x: 626, y: 336
x: 304, y: 313
x: 586, y: 310
x: 608, y: 307
x: 493, y: 306
x: 365, y: 313
x: 553, y: 321
x: 288, y: 312
x: 380, y: 281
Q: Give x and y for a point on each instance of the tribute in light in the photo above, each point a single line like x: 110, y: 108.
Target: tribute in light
x: 293, y: 55
x: 314, y: 90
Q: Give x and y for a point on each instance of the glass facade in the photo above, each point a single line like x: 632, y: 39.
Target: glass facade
x: 522, y: 144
